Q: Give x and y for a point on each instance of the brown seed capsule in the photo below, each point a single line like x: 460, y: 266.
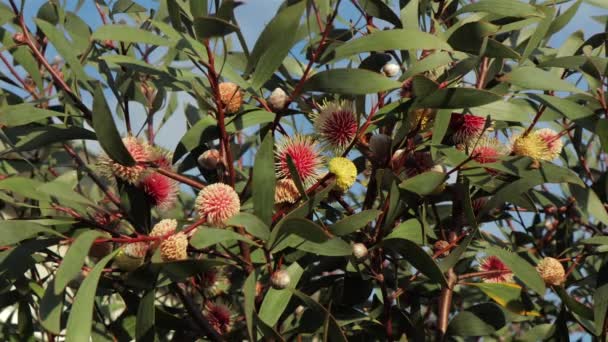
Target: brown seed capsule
x: 210, y: 159
x: 360, y: 252
x: 280, y: 279
x: 552, y: 271
x: 380, y: 145
x: 441, y: 245
x: 231, y: 96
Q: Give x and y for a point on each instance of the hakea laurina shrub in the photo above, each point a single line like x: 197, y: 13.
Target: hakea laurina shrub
x: 365, y: 170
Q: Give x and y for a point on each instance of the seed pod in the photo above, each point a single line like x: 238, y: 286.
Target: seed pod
x: 280, y: 279
x: 231, y: 96
x: 209, y: 159
x: 380, y: 145
x: 359, y: 251
x: 390, y: 69
x: 278, y: 99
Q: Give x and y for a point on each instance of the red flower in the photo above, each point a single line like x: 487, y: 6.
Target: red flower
x: 219, y: 316
x: 466, y: 127
x: 217, y: 203
x: 501, y: 273
x: 162, y: 190
x: 305, y: 156
x: 336, y: 123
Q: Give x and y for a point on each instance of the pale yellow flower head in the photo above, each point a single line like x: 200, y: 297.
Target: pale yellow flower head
x: 345, y: 172
x: 552, y: 271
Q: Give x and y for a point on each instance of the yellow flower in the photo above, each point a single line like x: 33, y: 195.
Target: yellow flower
x: 345, y: 172
x: 552, y: 271
x: 530, y: 145
x: 174, y: 247
x: 422, y: 117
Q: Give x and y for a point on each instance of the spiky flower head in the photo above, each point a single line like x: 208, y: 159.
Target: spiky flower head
x: 131, y: 256
x: 466, y: 127
x: 421, y: 118
x: 336, y: 123
x: 219, y: 316
x: 231, y: 96
x: 174, y: 248
x: 164, y: 227
x: 217, y: 203
x: 530, y: 145
x: 286, y: 191
x: 494, y: 264
x: 139, y: 151
x: 161, y: 190
x: 552, y: 271
x: 345, y: 172
x: 488, y: 150
x: 553, y: 142
x: 304, y: 153
x: 160, y: 157
x: 214, y: 281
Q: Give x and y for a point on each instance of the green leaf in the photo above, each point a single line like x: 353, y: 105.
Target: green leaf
x: 51, y: 306
x: 252, y: 224
x: 568, y: 108
x: 210, y: 26
x: 249, y: 301
x: 25, y: 113
x: 456, y: 98
x: 589, y: 202
x: 507, y: 295
x: 537, y: 79
x: 408, y: 230
x: 64, y: 48
x: 402, y: 39
x: 206, y: 236
x: 540, y: 32
x: 305, y: 235
x: 276, y: 301
x: 274, y: 43
x: 450, y: 261
x: 80, y: 320
x: 73, y: 260
x: 517, y: 110
x: 104, y: 126
x: 350, y: 81
x: 479, y: 320
x: 144, y: 326
x: 43, y: 136
x: 264, y: 180
x: 129, y: 34
x: 416, y: 256
x: 504, y: 8
x: 601, y: 129
x: 424, y: 183
x: 352, y: 223
x: 520, y: 267
x: 333, y: 330
x: 13, y: 231
x: 378, y: 9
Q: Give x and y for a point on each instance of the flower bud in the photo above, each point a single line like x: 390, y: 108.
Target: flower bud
x: 359, y: 251
x: 390, y: 69
x: 280, y: 279
x: 552, y: 271
x: 439, y: 246
x: 278, y: 99
x: 209, y: 159
x: 380, y: 145
x: 231, y: 96
x: 19, y: 38
x: 131, y: 256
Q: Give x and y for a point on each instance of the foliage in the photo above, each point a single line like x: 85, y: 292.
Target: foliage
x: 466, y: 148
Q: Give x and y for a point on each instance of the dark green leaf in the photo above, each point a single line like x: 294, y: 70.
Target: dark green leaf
x: 537, y: 79
x: 249, y: 305
x: 129, y: 34
x: 25, y: 113
x: 408, y: 230
x: 206, y: 236
x: 352, y: 223
x: 455, y: 98
x: 108, y: 136
x: 504, y: 8
x: 264, y: 180
x: 13, y: 231
x: 80, y: 320
x: 416, y: 256
x: 252, y: 224
x: 479, y: 320
x: 51, y: 306
x: 520, y: 267
x: 74, y: 259
x: 424, y: 183
x: 144, y: 327
x: 333, y: 331
x: 350, y: 81
x: 276, y: 301
x: 207, y: 27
